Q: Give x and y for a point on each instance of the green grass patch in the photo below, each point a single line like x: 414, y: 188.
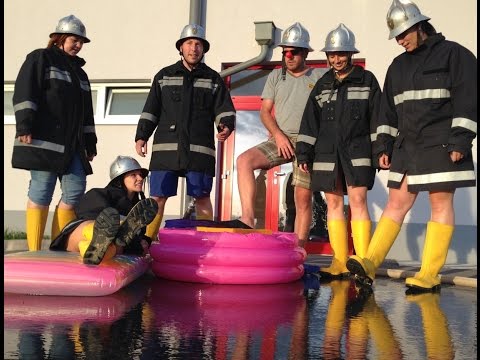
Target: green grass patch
x: 15, y: 235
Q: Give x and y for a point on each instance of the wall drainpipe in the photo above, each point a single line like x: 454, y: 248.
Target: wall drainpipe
x: 264, y: 35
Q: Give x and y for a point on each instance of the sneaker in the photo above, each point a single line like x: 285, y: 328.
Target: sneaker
x: 105, y: 229
x: 140, y: 216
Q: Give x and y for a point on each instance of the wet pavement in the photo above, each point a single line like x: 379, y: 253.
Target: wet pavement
x: 154, y: 318
x: 461, y: 275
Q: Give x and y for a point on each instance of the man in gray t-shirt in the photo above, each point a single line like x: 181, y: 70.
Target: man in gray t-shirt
x: 287, y: 89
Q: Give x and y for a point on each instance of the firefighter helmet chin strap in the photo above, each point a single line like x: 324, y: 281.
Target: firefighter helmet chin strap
x: 284, y: 68
x: 346, y: 70
x: 288, y: 55
x: 190, y: 66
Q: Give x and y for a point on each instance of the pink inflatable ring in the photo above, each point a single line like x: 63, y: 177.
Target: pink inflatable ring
x: 227, y: 257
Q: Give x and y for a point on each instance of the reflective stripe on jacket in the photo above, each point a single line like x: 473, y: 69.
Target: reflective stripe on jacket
x: 183, y: 108
x: 339, y: 125
x: 52, y: 101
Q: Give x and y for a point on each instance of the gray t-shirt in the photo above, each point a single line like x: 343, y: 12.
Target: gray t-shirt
x: 290, y: 96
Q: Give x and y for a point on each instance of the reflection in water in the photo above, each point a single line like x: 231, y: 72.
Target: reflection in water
x: 160, y: 319
x: 435, y: 326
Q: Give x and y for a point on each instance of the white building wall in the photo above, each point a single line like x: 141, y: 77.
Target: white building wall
x: 133, y: 40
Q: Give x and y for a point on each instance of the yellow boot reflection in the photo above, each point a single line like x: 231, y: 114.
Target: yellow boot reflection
x: 357, y: 338
x: 335, y: 319
x: 381, y: 331
x: 438, y: 341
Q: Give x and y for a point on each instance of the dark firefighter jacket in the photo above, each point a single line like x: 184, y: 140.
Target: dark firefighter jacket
x: 184, y: 107
x: 91, y: 205
x: 429, y: 108
x: 53, y: 102
x: 338, y: 125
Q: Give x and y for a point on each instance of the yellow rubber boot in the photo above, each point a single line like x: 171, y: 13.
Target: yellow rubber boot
x: 437, y: 242
x: 152, y: 228
x: 337, y: 230
x: 61, y: 218
x: 361, y: 234
x: 381, y: 331
x: 97, y: 244
x: 435, y: 326
x: 335, y: 319
x: 383, y: 238
x: 35, y: 221
x: 83, y: 245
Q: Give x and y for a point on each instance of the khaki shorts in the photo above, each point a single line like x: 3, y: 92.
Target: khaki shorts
x: 270, y: 150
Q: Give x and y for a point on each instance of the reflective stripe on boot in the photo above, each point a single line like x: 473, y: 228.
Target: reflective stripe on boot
x: 36, y: 220
x: 435, y: 250
x: 382, y: 240
x: 337, y: 230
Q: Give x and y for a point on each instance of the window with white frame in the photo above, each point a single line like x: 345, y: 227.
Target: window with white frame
x: 113, y: 103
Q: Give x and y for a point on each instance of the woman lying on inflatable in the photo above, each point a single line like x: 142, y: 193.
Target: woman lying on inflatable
x: 111, y: 220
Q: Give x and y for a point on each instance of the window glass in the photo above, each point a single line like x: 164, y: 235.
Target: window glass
x: 127, y: 101
x: 94, y: 101
x: 248, y: 82
x: 7, y: 103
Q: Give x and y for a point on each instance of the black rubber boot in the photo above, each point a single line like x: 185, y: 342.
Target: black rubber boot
x: 140, y: 216
x: 105, y: 229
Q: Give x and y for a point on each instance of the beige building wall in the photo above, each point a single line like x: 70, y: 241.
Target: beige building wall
x: 132, y: 40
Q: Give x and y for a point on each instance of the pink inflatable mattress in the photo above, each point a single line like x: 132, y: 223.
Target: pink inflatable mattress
x: 63, y: 273
x: 24, y: 311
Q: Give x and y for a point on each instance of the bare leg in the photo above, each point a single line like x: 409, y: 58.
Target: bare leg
x: 400, y: 201
x: 161, y: 204
x: 441, y: 203
x: 76, y: 236
x: 247, y: 163
x: 303, y: 219
x: 204, y: 208
x: 357, y: 199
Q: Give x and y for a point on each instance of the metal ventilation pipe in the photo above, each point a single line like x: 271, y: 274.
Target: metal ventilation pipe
x: 264, y: 35
x: 196, y: 8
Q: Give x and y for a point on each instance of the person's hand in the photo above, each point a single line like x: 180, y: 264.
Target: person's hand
x: 284, y: 146
x: 304, y: 168
x: 27, y: 139
x: 384, y: 161
x: 141, y: 147
x: 456, y: 156
x: 223, y: 132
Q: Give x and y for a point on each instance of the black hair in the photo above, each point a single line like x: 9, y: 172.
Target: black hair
x: 119, y: 183
x: 427, y: 28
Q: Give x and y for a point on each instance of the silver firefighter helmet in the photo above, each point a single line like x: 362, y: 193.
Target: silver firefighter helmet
x: 71, y: 25
x: 193, y: 31
x: 123, y: 164
x: 296, y: 36
x: 340, y: 39
x: 401, y: 16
